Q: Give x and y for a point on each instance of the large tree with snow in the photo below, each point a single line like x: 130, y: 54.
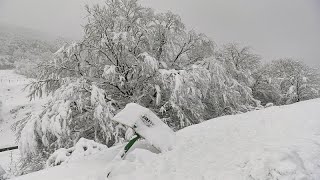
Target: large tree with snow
x: 128, y: 54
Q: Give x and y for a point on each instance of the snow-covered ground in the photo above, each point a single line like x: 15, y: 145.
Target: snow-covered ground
x: 15, y: 105
x: 273, y: 143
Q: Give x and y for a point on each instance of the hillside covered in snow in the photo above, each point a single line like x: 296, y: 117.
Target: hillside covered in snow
x: 274, y: 143
x: 14, y: 106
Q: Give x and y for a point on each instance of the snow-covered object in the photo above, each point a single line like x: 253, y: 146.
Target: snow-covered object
x: 148, y: 125
x: 277, y: 143
x: 269, y: 105
x: 82, y: 148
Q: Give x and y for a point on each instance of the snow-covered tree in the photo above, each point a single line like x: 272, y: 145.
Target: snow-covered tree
x: 264, y: 88
x: 181, y: 94
x: 225, y: 95
x: 21, y: 50
x: 131, y: 54
x: 295, y: 80
x: 128, y: 54
x: 240, y: 62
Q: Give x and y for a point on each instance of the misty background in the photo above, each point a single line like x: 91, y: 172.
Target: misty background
x: 273, y: 28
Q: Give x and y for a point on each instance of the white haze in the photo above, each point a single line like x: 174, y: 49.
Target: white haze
x: 274, y: 28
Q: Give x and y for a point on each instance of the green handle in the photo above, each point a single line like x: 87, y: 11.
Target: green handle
x: 129, y: 145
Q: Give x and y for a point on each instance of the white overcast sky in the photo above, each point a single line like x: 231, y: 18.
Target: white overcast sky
x: 274, y: 28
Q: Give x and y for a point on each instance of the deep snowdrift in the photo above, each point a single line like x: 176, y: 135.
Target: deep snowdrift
x: 274, y: 143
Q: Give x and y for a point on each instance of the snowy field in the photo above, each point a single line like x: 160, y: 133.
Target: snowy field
x: 11, y: 96
x: 15, y: 105
x: 274, y: 143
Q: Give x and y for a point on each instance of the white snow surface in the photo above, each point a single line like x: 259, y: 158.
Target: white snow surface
x: 12, y: 99
x: 84, y: 147
x: 273, y: 143
x: 15, y: 105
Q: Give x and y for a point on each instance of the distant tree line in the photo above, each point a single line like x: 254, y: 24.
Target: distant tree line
x: 23, y: 53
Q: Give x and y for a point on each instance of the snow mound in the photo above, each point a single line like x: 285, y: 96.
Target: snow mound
x: 276, y: 143
x: 82, y: 148
x: 277, y: 165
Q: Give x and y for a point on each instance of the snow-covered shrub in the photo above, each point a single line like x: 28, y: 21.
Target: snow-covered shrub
x: 269, y: 105
x: 76, y: 110
x: 82, y: 148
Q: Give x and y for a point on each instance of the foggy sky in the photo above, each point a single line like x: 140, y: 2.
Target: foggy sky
x: 273, y: 28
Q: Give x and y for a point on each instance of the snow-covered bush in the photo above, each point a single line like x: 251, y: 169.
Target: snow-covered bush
x: 269, y: 105
x: 82, y: 148
x: 76, y: 110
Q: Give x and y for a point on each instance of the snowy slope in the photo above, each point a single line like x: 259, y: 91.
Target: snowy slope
x: 15, y: 105
x: 274, y: 143
x: 11, y: 96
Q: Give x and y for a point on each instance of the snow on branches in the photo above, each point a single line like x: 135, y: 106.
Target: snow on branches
x: 132, y: 54
x: 77, y: 109
x: 187, y: 88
